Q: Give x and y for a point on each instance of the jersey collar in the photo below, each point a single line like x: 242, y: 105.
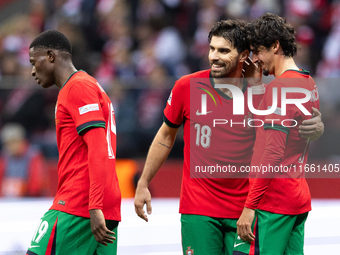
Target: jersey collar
x: 71, y: 77
x: 245, y: 85
x: 301, y: 71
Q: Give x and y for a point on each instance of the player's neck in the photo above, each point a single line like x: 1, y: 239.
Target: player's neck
x: 63, y: 74
x: 283, y: 64
x: 234, y: 78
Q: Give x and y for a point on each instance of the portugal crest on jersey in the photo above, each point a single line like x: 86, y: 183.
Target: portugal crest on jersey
x: 189, y: 251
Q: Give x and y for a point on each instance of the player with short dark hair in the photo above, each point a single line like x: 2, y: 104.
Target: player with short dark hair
x: 84, y: 216
x: 281, y: 202
x: 52, y: 39
x: 232, y: 30
x: 260, y: 33
x: 210, y: 207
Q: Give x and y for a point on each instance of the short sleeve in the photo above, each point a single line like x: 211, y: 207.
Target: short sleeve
x: 83, y: 104
x: 174, y: 110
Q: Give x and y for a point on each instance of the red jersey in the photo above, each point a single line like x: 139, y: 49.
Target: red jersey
x: 209, y: 144
x: 83, y: 104
x: 287, y: 192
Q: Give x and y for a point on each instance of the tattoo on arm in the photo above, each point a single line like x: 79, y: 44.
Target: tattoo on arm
x: 165, y: 145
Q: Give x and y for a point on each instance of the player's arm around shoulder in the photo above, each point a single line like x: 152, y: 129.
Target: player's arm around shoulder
x: 312, y: 128
x: 158, y: 152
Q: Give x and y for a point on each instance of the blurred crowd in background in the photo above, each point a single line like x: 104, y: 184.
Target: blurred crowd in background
x: 136, y: 49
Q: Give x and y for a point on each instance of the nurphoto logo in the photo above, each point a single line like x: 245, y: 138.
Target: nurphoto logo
x: 238, y: 100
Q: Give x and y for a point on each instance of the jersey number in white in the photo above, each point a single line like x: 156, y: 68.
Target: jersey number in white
x: 203, y: 135
x: 111, y: 127
x: 40, y: 231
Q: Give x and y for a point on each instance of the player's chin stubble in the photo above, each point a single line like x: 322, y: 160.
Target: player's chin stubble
x: 223, y: 74
x: 215, y: 74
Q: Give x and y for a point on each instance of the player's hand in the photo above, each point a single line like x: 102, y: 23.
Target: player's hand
x: 143, y: 197
x: 312, y: 128
x: 244, y: 225
x: 252, y: 72
x: 101, y: 233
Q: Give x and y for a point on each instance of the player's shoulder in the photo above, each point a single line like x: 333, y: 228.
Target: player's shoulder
x: 290, y: 73
x: 185, y: 80
x: 82, y: 81
x: 82, y: 77
x: 199, y: 74
x: 293, y: 78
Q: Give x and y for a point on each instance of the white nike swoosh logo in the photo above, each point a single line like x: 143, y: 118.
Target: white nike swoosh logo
x: 33, y: 246
x: 235, y: 245
x: 199, y: 113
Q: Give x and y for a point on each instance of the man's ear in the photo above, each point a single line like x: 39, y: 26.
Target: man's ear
x: 276, y: 46
x: 51, y: 55
x: 244, y: 55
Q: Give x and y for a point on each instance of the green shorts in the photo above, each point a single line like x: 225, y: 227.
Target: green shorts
x: 274, y: 234
x: 60, y: 233
x: 202, y: 235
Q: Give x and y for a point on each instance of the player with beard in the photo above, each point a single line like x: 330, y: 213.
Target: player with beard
x: 209, y: 206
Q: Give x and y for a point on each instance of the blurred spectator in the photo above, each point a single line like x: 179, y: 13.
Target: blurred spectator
x: 150, y: 104
x: 25, y: 105
x: 330, y: 64
x: 149, y: 9
x: 304, y: 37
x: 9, y: 63
x: 21, y: 165
x: 125, y: 45
x: 124, y: 105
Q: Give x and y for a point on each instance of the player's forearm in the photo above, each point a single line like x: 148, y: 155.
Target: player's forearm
x: 272, y: 156
x: 158, y: 153
x: 98, y: 166
x: 256, y: 191
x: 274, y: 148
